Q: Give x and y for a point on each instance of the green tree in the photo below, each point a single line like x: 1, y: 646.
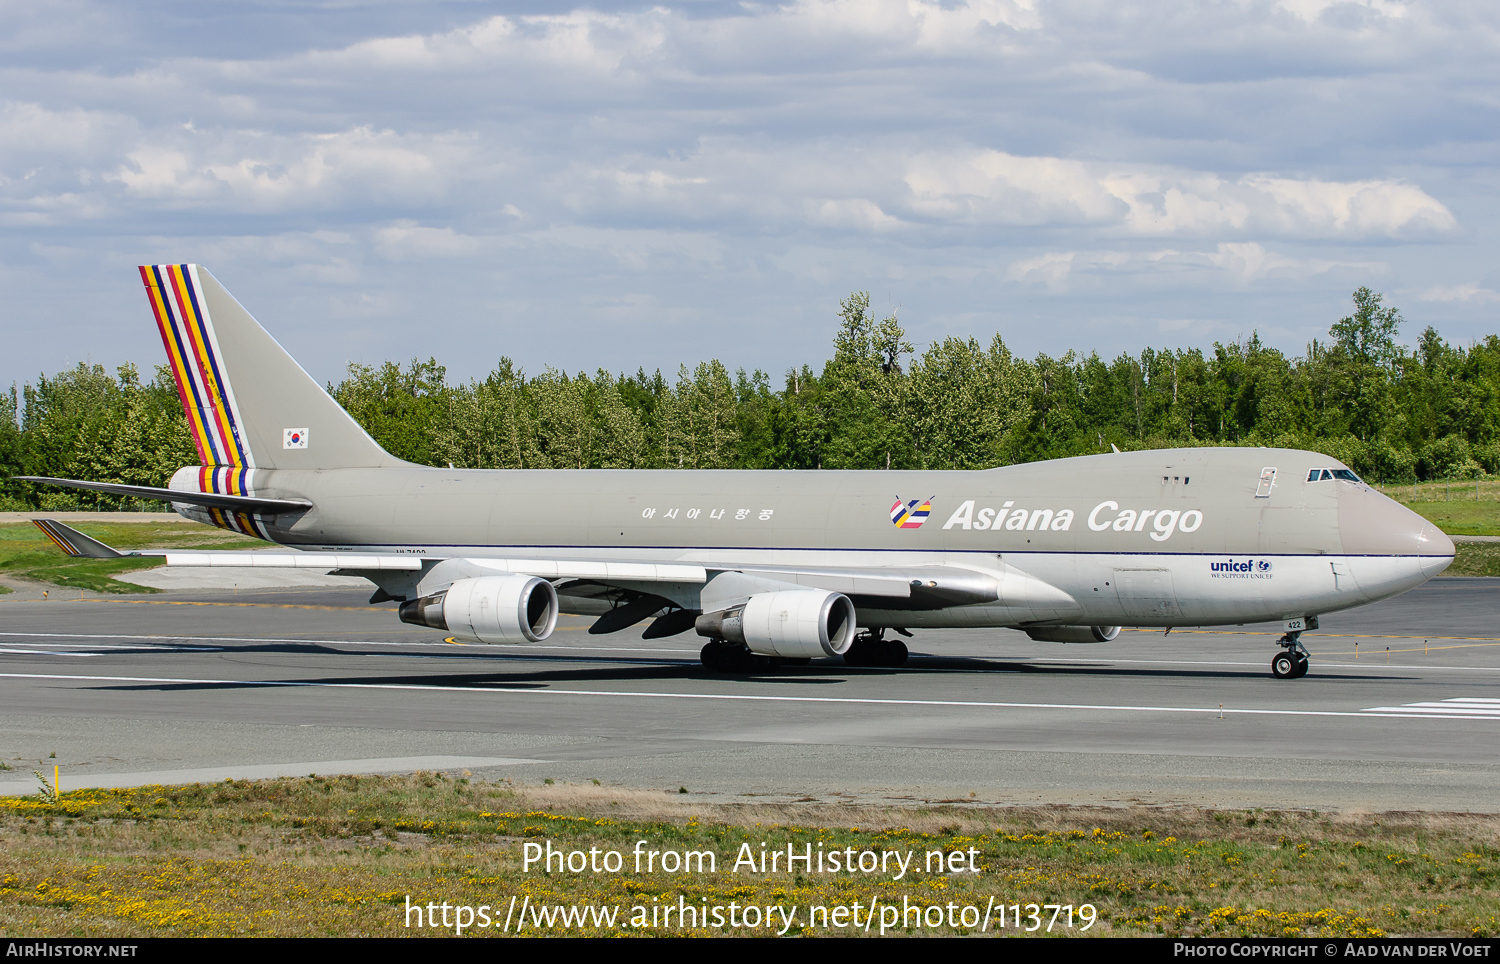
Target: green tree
x: 403, y: 410
x: 486, y: 425
x: 863, y: 390
x: 1362, y: 362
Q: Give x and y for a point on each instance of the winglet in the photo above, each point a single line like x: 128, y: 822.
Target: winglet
x: 75, y: 543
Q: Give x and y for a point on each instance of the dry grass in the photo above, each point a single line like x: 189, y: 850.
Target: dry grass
x: 341, y: 856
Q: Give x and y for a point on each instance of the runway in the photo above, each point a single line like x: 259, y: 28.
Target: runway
x: 193, y: 686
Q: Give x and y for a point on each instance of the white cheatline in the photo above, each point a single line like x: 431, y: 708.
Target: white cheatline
x: 504, y: 691
x: 1457, y: 708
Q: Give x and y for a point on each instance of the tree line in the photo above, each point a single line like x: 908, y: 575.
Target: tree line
x: 1394, y: 413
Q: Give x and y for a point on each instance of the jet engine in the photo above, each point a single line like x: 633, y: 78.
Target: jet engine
x: 1074, y: 634
x: 489, y: 609
x: 796, y: 623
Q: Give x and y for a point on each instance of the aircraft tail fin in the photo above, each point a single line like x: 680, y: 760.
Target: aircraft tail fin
x: 248, y: 403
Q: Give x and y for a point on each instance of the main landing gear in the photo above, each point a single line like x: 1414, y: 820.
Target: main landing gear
x: 871, y: 648
x: 724, y: 656
x: 1291, y: 663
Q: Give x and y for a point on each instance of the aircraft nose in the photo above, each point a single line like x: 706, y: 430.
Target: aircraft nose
x: 1371, y: 524
x: 1436, y: 548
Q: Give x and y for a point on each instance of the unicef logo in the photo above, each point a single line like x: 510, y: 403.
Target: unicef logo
x: 1234, y: 569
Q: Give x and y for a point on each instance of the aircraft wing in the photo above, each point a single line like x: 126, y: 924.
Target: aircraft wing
x: 620, y: 593
x: 925, y: 587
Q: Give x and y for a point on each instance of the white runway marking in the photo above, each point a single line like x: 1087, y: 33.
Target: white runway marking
x: 478, y: 650
x: 1457, y: 708
x: 1388, y: 712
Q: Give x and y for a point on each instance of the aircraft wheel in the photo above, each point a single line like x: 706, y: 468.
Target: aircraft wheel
x: 722, y: 656
x: 1301, y: 669
x: 876, y: 652
x: 1284, y: 666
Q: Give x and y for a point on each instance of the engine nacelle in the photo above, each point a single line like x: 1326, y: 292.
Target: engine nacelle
x: 489, y: 609
x: 1074, y: 634
x: 797, y: 623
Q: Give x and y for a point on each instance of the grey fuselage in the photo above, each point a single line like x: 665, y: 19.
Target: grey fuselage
x: 1165, y: 537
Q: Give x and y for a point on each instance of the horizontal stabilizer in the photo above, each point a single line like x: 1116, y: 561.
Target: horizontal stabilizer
x: 214, y: 500
x: 75, y: 543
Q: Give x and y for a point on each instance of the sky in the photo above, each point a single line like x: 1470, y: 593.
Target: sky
x: 620, y: 185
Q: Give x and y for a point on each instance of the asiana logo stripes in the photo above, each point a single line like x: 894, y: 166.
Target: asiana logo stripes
x: 187, y: 334
x: 910, y: 515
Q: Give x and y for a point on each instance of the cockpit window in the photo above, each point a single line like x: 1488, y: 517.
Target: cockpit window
x: 1327, y: 475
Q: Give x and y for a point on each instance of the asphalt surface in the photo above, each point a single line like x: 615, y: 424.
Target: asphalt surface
x: 194, y: 686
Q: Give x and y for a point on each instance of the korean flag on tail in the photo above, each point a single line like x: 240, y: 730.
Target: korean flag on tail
x: 294, y: 438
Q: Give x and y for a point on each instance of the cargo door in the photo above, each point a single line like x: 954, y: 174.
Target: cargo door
x: 1147, y: 593
x: 1267, y: 482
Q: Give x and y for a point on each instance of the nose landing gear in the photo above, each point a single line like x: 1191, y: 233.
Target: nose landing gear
x: 1291, y: 663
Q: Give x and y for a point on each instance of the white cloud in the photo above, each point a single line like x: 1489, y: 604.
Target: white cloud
x: 581, y: 40
x: 630, y: 247
x: 1240, y: 262
x: 931, y: 26
x: 29, y: 131
x: 252, y: 170
x: 740, y: 167
x: 996, y: 188
x: 1310, y: 10
x: 1468, y: 293
x: 406, y: 241
x: 1050, y: 269
x: 1360, y: 208
x: 860, y: 214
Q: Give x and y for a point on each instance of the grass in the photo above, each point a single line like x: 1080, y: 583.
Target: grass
x: 1461, y: 518
x: 341, y: 856
x: 1475, y: 559
x: 1458, y: 508
x: 26, y: 552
